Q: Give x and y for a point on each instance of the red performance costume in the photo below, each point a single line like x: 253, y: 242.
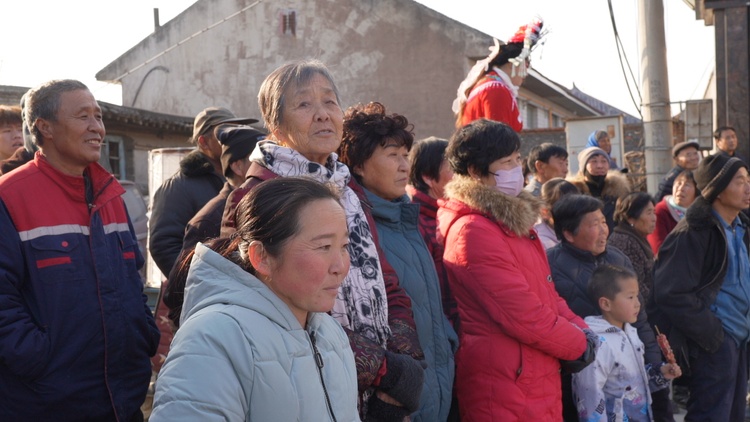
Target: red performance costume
x: 489, y: 91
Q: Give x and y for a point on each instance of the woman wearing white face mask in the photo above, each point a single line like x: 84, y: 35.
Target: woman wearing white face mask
x: 515, y: 328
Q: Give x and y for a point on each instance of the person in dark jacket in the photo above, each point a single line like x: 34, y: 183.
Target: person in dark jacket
x: 635, y: 218
x: 237, y: 142
x: 596, y: 178
x: 181, y: 196
x: 76, y: 331
x: 701, y: 294
x: 686, y: 157
x: 583, y: 231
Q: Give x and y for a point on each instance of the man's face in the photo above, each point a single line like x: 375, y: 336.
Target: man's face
x: 736, y: 196
x: 688, y: 158
x: 727, y: 142
x: 74, y: 139
x: 209, y: 145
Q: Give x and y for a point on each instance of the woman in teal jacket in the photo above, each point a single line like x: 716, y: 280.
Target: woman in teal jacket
x: 376, y: 148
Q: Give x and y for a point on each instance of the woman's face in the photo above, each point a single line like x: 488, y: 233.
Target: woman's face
x: 683, y: 191
x: 646, y: 222
x: 506, y: 163
x: 386, y: 172
x: 592, y: 233
x: 311, y: 119
x: 605, y: 144
x: 311, y: 266
x: 437, y: 187
x: 597, y: 165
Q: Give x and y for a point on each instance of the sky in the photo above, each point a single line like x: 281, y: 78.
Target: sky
x: 77, y: 38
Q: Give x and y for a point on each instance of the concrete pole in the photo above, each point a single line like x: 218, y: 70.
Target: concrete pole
x: 656, y: 110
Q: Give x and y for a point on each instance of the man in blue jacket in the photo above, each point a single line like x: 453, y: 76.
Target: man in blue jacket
x: 75, y: 331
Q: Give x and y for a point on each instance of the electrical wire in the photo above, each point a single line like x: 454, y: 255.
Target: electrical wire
x: 621, y: 54
x: 179, y: 43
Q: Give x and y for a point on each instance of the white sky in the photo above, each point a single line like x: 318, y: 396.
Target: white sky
x: 53, y: 39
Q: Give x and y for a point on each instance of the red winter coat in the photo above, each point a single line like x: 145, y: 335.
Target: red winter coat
x: 514, y: 326
x: 491, y: 99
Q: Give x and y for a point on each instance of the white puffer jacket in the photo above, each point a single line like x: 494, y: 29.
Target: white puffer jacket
x: 615, y: 387
x: 241, y: 355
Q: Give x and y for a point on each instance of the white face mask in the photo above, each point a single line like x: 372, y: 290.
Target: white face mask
x: 509, y: 182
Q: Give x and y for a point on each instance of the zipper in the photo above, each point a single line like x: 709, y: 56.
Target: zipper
x: 319, y: 364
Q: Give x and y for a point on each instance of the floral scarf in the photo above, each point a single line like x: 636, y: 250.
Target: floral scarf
x: 677, y: 212
x: 361, y: 303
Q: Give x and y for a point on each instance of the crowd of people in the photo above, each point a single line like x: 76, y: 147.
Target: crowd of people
x: 326, y: 265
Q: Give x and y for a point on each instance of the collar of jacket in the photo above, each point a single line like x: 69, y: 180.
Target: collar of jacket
x: 197, y: 164
x: 518, y: 214
x: 628, y: 230
x: 74, y: 186
x: 615, y: 184
x: 428, y: 205
x: 400, y: 211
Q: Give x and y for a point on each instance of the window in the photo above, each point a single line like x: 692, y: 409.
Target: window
x: 113, y: 156
x: 557, y: 121
x: 532, y: 117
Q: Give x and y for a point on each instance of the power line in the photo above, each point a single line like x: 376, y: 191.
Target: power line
x: 621, y: 54
x: 179, y: 43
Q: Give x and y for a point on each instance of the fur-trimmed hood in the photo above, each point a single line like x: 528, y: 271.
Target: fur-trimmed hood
x: 196, y: 164
x: 616, y: 184
x: 518, y: 214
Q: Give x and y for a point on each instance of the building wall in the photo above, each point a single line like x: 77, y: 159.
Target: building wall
x: 370, y: 47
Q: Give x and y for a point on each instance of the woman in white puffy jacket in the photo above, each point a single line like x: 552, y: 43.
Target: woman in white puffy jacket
x: 255, y: 343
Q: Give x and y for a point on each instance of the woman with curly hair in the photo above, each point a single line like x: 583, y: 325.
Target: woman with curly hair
x: 376, y: 148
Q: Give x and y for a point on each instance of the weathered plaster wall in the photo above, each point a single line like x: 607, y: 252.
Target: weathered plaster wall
x: 397, y: 52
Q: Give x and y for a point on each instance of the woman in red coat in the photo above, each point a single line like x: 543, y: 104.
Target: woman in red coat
x: 670, y: 210
x: 515, y: 328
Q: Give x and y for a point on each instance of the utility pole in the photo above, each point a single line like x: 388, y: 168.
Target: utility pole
x: 656, y: 109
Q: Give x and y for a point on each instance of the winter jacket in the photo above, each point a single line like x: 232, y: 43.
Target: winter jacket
x: 615, y: 386
x: 637, y: 249
x: 428, y: 207
x: 76, y: 331
x: 666, y: 184
x: 241, y: 355
x: 396, y: 222
x: 176, y: 201
x: 688, y: 275
x: 205, y: 225
x: 514, y: 326
x: 492, y: 99
x: 370, y: 357
x: 616, y: 185
x: 571, y: 271
x: 665, y: 223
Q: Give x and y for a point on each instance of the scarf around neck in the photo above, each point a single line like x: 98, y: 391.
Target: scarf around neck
x: 361, y: 303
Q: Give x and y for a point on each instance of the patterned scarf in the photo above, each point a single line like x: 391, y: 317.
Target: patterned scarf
x: 677, y: 212
x: 361, y: 303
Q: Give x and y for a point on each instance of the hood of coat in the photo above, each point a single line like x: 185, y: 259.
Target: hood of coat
x: 599, y: 325
x: 196, y: 164
x: 213, y: 279
x: 518, y: 214
x: 615, y: 184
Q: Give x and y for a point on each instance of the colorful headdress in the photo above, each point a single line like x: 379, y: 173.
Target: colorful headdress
x: 528, y: 35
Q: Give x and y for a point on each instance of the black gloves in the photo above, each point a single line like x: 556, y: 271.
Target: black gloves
x: 592, y: 343
x: 403, y: 381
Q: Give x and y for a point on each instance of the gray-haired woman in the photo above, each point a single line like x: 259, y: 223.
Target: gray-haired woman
x: 301, y: 109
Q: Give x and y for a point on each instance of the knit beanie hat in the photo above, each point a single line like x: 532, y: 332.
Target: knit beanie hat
x: 714, y: 174
x: 588, y: 153
x: 237, y: 142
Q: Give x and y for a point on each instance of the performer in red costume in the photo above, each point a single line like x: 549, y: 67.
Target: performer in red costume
x: 491, y: 88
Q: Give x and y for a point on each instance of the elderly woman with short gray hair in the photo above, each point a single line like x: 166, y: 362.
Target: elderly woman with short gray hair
x: 301, y: 108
